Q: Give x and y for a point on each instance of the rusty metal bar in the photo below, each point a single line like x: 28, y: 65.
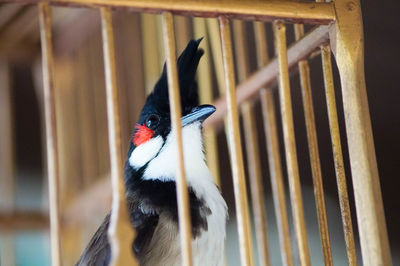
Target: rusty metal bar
x: 256, y: 185
x: 120, y: 231
x: 290, y: 144
x: 215, y: 44
x: 7, y: 139
x: 278, y: 189
x: 174, y: 98
x: 239, y: 182
x: 51, y: 130
x: 261, y: 43
x: 253, y: 154
x: 151, y: 57
x: 348, y: 47
x: 300, y: 12
x: 338, y: 155
x: 206, y: 96
x: 183, y: 32
x: 305, y: 82
x: 268, y: 111
x: 268, y: 74
x: 7, y: 163
x: 240, y: 50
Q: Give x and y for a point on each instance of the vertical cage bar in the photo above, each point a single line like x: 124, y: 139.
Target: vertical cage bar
x: 256, y: 185
x: 161, y: 49
x: 206, y: 96
x: 338, y: 155
x: 240, y: 50
x: 278, y: 190
x: 7, y: 140
x: 174, y: 98
x: 239, y: 182
x: 151, y: 58
x: 347, y: 43
x: 215, y: 44
x: 51, y: 130
x: 250, y: 130
x: 182, y: 32
x: 120, y: 231
x: 304, y: 71
x: 290, y: 144
x: 268, y: 111
x: 7, y: 160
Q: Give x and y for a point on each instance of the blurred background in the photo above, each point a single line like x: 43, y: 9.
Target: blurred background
x: 82, y: 125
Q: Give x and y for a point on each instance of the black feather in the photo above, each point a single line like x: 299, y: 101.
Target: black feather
x: 187, y: 66
x: 157, y: 196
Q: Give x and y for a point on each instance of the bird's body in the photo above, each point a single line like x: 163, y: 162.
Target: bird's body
x: 150, y: 173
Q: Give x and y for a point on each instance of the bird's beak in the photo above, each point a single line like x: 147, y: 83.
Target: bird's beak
x: 199, y: 113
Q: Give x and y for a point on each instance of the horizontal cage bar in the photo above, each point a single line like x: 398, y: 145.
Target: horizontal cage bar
x: 300, y: 12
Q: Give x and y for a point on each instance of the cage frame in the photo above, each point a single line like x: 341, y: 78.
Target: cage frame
x: 339, y: 30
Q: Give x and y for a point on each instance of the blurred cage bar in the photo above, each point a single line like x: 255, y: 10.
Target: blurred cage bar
x: 226, y: 79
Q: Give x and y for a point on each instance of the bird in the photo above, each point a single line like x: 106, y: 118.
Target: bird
x: 150, y: 174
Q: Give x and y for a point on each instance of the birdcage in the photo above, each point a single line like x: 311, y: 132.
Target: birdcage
x: 235, y: 34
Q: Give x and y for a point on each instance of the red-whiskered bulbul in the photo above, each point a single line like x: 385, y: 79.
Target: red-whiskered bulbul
x: 150, y: 172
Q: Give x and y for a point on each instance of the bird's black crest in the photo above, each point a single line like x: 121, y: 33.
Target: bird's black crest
x: 187, y: 66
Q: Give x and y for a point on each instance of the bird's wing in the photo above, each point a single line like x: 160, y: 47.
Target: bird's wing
x: 145, y: 225
x: 98, y: 251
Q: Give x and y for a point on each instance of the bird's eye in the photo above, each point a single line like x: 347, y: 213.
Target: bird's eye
x: 152, y: 121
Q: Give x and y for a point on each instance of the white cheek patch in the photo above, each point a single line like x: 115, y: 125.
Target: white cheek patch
x: 163, y: 167
x: 145, y: 152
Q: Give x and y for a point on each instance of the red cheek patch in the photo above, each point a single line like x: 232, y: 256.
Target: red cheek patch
x: 142, y: 135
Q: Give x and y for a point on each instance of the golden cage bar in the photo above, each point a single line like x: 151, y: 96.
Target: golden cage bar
x: 338, y: 28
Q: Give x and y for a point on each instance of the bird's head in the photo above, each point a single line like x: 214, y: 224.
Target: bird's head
x: 152, y: 149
